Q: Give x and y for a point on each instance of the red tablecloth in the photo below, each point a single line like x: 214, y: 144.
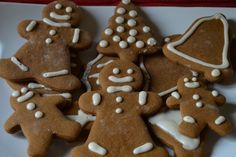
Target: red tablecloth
x: 203, y: 3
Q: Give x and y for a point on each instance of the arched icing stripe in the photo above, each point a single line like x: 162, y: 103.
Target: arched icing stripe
x: 225, y: 63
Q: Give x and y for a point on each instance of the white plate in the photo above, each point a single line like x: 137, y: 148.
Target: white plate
x: 167, y: 20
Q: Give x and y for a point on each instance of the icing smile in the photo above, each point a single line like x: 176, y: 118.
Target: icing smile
x: 192, y: 84
x: 56, y: 24
x: 120, y: 79
x: 59, y: 17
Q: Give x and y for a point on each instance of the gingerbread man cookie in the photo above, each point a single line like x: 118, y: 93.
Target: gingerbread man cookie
x: 40, y: 120
x: 198, y: 107
x: 127, y: 36
x: 45, y: 57
x: 119, y: 111
x: 204, y: 48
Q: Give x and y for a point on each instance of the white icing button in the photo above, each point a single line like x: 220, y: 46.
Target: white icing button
x: 215, y: 73
x: 167, y: 40
x: 120, y: 29
x: 119, y: 99
x: 119, y: 110
x: 103, y: 43
x: 133, y: 32
x: 58, y: 6
x: 116, y: 38
x: 38, y: 114
x: 196, y: 97
x: 199, y: 104
x: 123, y: 44
x: 116, y: 71
x: 52, y: 32
x: 133, y: 13
x: 195, y: 74
x: 24, y: 90
x: 189, y: 119
x: 119, y: 20
x: 151, y: 41
x: 131, y: 22
x: 96, y: 98
x: 108, y: 31
x: 120, y: 11
x: 125, y: 1
x: 68, y: 9
x: 146, y: 29
x: 48, y: 41
x: 140, y: 44
x: 186, y: 79
x: 220, y: 120
x: 215, y: 93
x: 30, y: 106
x: 131, y: 39
x: 194, y: 79
x: 15, y: 93
x: 130, y: 71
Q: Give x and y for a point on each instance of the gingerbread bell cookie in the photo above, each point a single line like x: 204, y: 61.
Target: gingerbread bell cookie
x: 119, y: 111
x: 204, y: 48
x: 45, y: 57
x: 127, y: 36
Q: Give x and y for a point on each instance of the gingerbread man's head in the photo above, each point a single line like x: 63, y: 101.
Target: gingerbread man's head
x: 62, y: 13
x: 121, y: 76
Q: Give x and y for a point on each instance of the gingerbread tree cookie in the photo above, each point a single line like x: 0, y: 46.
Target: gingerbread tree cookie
x: 127, y: 36
x: 119, y: 111
x: 198, y: 107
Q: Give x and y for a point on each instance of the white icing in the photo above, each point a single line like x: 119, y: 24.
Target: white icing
x: 133, y: 32
x: 64, y: 95
x: 113, y: 89
x: 101, y: 65
x: 215, y: 73
x: 37, y: 85
x: 119, y: 110
x: 56, y: 24
x: 142, y: 97
x: 120, y: 29
x: 55, y: 73
x: 199, y: 104
x: 103, y: 43
x: 58, y: 6
x: 167, y: 40
x: 24, y: 90
x: 196, y: 97
x: 38, y: 114
x: 176, y: 95
x: 119, y: 99
x: 15, y: 93
x: 97, y: 82
x: 69, y: 9
x: 116, y: 38
x: 151, y: 41
x: 133, y: 13
x: 146, y: 29
x: 96, y: 98
x: 130, y: 71
x: 120, y: 79
x: 119, y: 20
x: 131, y: 22
x: 194, y: 73
x: 108, y: 31
x: 82, y: 118
x: 96, y: 75
x: 194, y: 79
x: 115, y: 70
x: 75, y: 38
x: 172, y: 46
x: 219, y: 120
x: 215, y: 93
x: 94, y: 147
x: 31, y: 26
x: 120, y: 11
x: 19, y: 64
x: 30, y: 106
x: 140, y: 44
x: 169, y: 122
x: 186, y: 79
x: 125, y: 1
x: 167, y: 91
x: 192, y: 84
x: 59, y: 17
x: 189, y: 119
x: 143, y: 148
x: 123, y: 44
x: 131, y: 39
x: 52, y: 32
x: 25, y: 97
x: 48, y: 41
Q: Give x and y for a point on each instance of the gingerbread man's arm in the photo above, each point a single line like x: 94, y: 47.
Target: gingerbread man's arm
x: 219, y: 99
x: 11, y: 126
x: 26, y: 28
x: 58, y: 101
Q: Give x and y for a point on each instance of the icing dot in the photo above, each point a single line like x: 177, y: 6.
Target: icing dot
x: 120, y: 20
x: 120, y: 29
x: 139, y: 44
x: 52, y: 32
x: 120, y: 11
x: 133, y: 32
x: 116, y: 71
x: 215, y: 93
x: 167, y: 40
x: 146, y: 29
x: 123, y: 44
x: 108, y: 31
x: 196, y: 97
x: 220, y: 120
x: 176, y: 95
x: 131, y: 22
x: 133, y: 13
x: 215, y: 72
x: 15, y: 93
x: 103, y: 43
x: 130, y: 71
x: 189, y: 119
x: 97, y: 82
x: 30, y: 106
x: 131, y: 39
x: 151, y: 41
x: 194, y: 79
x: 186, y: 79
x: 58, y: 6
x: 119, y: 110
x: 126, y: 1
x: 116, y: 38
x: 68, y: 9
x: 24, y: 90
x: 48, y: 41
x: 119, y: 99
x: 199, y: 104
x: 38, y: 114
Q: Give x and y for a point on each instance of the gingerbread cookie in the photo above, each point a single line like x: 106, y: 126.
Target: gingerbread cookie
x: 45, y: 57
x: 204, y: 48
x: 40, y: 120
x: 119, y: 111
x: 199, y: 107
x: 127, y: 36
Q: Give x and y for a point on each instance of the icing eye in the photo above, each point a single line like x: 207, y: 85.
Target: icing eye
x: 194, y: 79
x: 68, y: 9
x: 58, y: 6
x: 130, y: 71
x: 116, y: 71
x: 186, y: 79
